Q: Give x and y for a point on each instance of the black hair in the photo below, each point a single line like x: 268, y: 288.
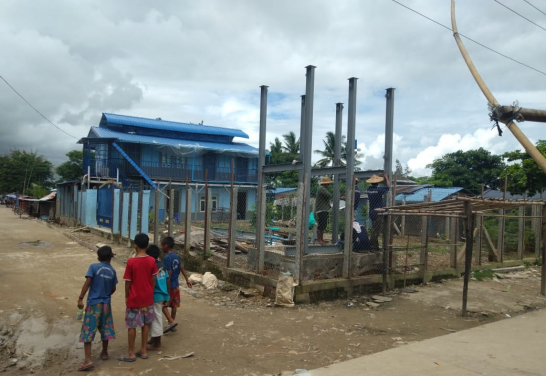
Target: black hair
x: 154, y: 251
x: 142, y: 241
x: 168, y: 241
x: 105, y: 253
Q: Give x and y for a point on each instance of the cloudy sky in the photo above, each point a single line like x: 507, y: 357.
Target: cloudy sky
x: 194, y: 61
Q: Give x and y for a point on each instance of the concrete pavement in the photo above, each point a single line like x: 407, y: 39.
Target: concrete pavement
x: 514, y: 346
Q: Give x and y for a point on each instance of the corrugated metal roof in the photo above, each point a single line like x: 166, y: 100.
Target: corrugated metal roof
x: 282, y: 190
x: 169, y: 125
x: 233, y: 147
x: 438, y: 194
x: 491, y: 193
x: 50, y: 196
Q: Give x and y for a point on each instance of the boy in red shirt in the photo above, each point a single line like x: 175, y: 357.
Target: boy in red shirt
x: 139, y: 297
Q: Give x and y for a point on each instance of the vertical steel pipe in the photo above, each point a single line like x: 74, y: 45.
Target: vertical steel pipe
x: 337, y: 163
x: 260, y: 202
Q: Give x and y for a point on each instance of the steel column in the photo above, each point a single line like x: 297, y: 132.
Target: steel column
x: 349, y: 177
x: 337, y: 163
x: 306, y: 157
x: 260, y: 203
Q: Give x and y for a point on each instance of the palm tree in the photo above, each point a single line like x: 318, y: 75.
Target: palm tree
x: 291, y: 145
x: 328, y: 152
x: 275, y: 147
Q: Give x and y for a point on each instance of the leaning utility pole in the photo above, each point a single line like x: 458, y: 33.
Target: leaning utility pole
x: 493, y: 104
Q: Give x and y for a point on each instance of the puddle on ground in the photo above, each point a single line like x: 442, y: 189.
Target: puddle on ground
x: 36, y: 243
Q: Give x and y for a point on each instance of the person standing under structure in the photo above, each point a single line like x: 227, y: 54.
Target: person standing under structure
x: 322, y: 207
x: 376, y: 200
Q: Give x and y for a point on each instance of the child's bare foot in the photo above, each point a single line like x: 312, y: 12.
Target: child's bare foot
x: 153, y: 348
x: 104, y: 355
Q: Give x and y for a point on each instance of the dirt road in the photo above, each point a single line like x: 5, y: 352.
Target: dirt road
x: 42, y: 271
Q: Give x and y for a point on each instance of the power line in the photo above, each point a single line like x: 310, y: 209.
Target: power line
x: 535, y: 7
x: 39, y: 113
x: 470, y: 39
x: 525, y: 18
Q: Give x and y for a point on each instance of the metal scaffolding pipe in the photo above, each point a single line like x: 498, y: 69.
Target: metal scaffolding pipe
x: 349, y: 177
x: 387, y: 168
x: 308, y: 140
x: 260, y: 212
x: 337, y: 163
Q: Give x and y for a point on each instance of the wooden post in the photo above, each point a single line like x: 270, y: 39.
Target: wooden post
x: 301, y: 236
x: 232, y: 219
x: 537, y: 229
x: 479, y: 240
x: 208, y: 209
x: 502, y: 224
x: 521, y: 231
x: 425, y: 221
x: 130, y: 203
x: 140, y: 209
x: 543, y: 275
x: 156, y: 214
x: 469, y: 229
x: 171, y: 209
x: 453, y: 235
x: 187, y: 231
x: 403, y: 220
x: 534, y: 221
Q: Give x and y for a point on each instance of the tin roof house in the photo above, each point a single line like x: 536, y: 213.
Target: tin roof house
x: 137, y: 151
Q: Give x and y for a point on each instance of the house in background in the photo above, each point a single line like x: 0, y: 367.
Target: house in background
x: 137, y: 152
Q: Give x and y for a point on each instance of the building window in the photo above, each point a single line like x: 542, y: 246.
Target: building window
x: 214, y: 199
x: 165, y: 160
x: 180, y: 162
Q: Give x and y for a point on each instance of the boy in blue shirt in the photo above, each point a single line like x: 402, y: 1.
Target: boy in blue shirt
x: 100, y: 280
x: 173, y: 265
x: 161, y: 295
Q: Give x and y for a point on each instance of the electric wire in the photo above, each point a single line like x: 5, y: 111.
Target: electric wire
x: 34, y: 108
x: 525, y: 18
x: 470, y: 39
x: 535, y: 7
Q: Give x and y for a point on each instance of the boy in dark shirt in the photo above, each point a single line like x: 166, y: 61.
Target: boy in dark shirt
x: 100, y: 280
x: 173, y: 265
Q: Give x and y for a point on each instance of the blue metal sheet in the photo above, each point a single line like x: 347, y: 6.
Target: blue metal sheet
x: 169, y: 125
x: 234, y: 147
x: 438, y: 194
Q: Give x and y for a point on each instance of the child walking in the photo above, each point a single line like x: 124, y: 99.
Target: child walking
x: 173, y: 266
x: 100, y: 281
x: 139, y: 297
x: 161, y: 295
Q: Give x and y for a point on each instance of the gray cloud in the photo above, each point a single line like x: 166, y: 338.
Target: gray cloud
x: 192, y: 61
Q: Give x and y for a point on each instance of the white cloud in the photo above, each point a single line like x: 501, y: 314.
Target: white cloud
x: 449, y: 143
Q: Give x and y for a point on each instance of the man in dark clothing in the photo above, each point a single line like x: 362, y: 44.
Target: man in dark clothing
x: 376, y: 200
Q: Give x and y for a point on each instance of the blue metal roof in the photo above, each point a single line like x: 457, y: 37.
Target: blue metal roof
x: 438, y: 194
x: 282, y: 190
x: 233, y: 147
x: 108, y: 119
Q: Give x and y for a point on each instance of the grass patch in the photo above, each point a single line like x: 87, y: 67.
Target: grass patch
x: 484, y: 273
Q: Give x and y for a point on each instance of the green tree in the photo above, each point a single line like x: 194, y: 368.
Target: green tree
x: 291, y: 145
x: 71, y: 169
x: 524, y: 176
x: 468, y: 169
x: 20, y: 169
x: 328, y: 153
x: 401, y: 171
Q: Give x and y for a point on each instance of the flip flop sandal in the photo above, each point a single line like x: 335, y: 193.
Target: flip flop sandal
x: 139, y: 354
x: 170, y: 327
x: 123, y: 358
x: 85, y: 367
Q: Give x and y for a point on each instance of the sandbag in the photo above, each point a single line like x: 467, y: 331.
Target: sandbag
x: 196, y: 278
x: 284, y: 294
x: 209, y: 280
